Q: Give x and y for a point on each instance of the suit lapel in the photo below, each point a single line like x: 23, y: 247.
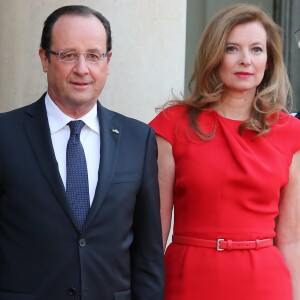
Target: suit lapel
x: 110, y: 134
x: 38, y: 133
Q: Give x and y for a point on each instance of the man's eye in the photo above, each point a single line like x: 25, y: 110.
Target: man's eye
x: 69, y: 55
x: 93, y: 56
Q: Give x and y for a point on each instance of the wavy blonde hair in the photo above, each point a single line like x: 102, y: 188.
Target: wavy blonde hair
x: 206, y: 87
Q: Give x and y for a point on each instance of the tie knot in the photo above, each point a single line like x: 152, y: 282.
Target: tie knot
x: 76, y: 126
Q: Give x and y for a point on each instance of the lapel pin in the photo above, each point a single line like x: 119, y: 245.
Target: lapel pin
x: 116, y: 131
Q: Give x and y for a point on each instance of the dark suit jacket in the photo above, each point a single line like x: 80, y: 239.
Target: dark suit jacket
x: 42, y: 255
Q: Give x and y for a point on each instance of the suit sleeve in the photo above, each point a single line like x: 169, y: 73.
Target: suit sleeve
x: 147, y: 250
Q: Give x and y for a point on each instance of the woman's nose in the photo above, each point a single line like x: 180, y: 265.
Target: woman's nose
x: 245, y: 59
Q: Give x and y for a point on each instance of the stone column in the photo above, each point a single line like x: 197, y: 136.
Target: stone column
x: 287, y: 14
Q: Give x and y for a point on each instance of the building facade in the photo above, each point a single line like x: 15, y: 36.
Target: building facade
x: 154, y: 44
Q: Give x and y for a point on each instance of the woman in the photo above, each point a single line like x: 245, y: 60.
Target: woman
x: 228, y: 159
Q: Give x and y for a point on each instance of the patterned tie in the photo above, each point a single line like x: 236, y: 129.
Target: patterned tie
x: 77, y: 185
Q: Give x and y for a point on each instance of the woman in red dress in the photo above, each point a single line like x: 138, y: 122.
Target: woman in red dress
x: 229, y: 164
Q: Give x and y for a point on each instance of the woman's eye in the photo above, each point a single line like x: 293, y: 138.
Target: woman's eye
x: 230, y: 49
x: 257, y: 49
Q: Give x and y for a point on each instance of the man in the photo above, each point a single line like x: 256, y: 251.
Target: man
x: 53, y: 247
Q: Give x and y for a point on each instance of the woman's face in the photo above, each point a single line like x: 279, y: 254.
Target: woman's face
x: 245, y: 60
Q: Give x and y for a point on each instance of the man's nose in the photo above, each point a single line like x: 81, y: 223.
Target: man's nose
x: 81, y: 65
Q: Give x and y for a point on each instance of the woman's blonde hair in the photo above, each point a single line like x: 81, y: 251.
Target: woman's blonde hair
x: 205, y: 84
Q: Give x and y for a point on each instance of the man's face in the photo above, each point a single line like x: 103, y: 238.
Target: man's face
x: 76, y: 86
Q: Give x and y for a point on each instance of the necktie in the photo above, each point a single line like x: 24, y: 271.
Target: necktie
x: 77, y: 186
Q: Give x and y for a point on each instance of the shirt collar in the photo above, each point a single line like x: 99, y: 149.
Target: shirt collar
x: 58, y: 120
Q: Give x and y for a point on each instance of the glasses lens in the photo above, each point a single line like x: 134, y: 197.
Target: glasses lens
x: 93, y: 57
x: 68, y: 56
x: 72, y: 56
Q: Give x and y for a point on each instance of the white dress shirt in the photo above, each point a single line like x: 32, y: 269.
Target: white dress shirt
x: 89, y: 137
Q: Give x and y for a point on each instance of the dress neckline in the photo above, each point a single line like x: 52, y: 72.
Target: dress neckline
x: 228, y: 119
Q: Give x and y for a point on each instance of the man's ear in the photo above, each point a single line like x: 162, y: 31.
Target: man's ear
x: 44, y: 59
x: 108, y: 56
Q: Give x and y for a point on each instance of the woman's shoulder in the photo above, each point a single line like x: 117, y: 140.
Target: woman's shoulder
x: 169, y: 120
x: 172, y: 114
x: 286, y: 131
x: 287, y: 122
x: 174, y: 111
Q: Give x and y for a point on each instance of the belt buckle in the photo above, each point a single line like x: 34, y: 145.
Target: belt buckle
x: 219, y: 246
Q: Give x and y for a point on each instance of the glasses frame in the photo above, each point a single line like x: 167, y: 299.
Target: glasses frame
x: 58, y: 54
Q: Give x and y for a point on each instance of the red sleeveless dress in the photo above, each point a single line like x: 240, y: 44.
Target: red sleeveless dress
x: 227, y: 187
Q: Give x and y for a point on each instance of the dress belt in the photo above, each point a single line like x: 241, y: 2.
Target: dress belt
x: 221, y: 244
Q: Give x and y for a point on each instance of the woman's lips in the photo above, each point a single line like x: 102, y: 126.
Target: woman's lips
x: 243, y: 74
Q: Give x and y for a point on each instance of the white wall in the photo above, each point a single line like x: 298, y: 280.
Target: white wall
x: 148, y: 52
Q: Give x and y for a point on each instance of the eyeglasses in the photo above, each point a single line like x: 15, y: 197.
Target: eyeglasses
x: 70, y: 56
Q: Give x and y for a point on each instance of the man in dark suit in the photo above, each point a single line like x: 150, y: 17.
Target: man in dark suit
x: 50, y: 247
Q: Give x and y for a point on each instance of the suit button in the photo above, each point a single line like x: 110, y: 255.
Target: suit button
x: 71, y: 291
x: 82, y: 242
